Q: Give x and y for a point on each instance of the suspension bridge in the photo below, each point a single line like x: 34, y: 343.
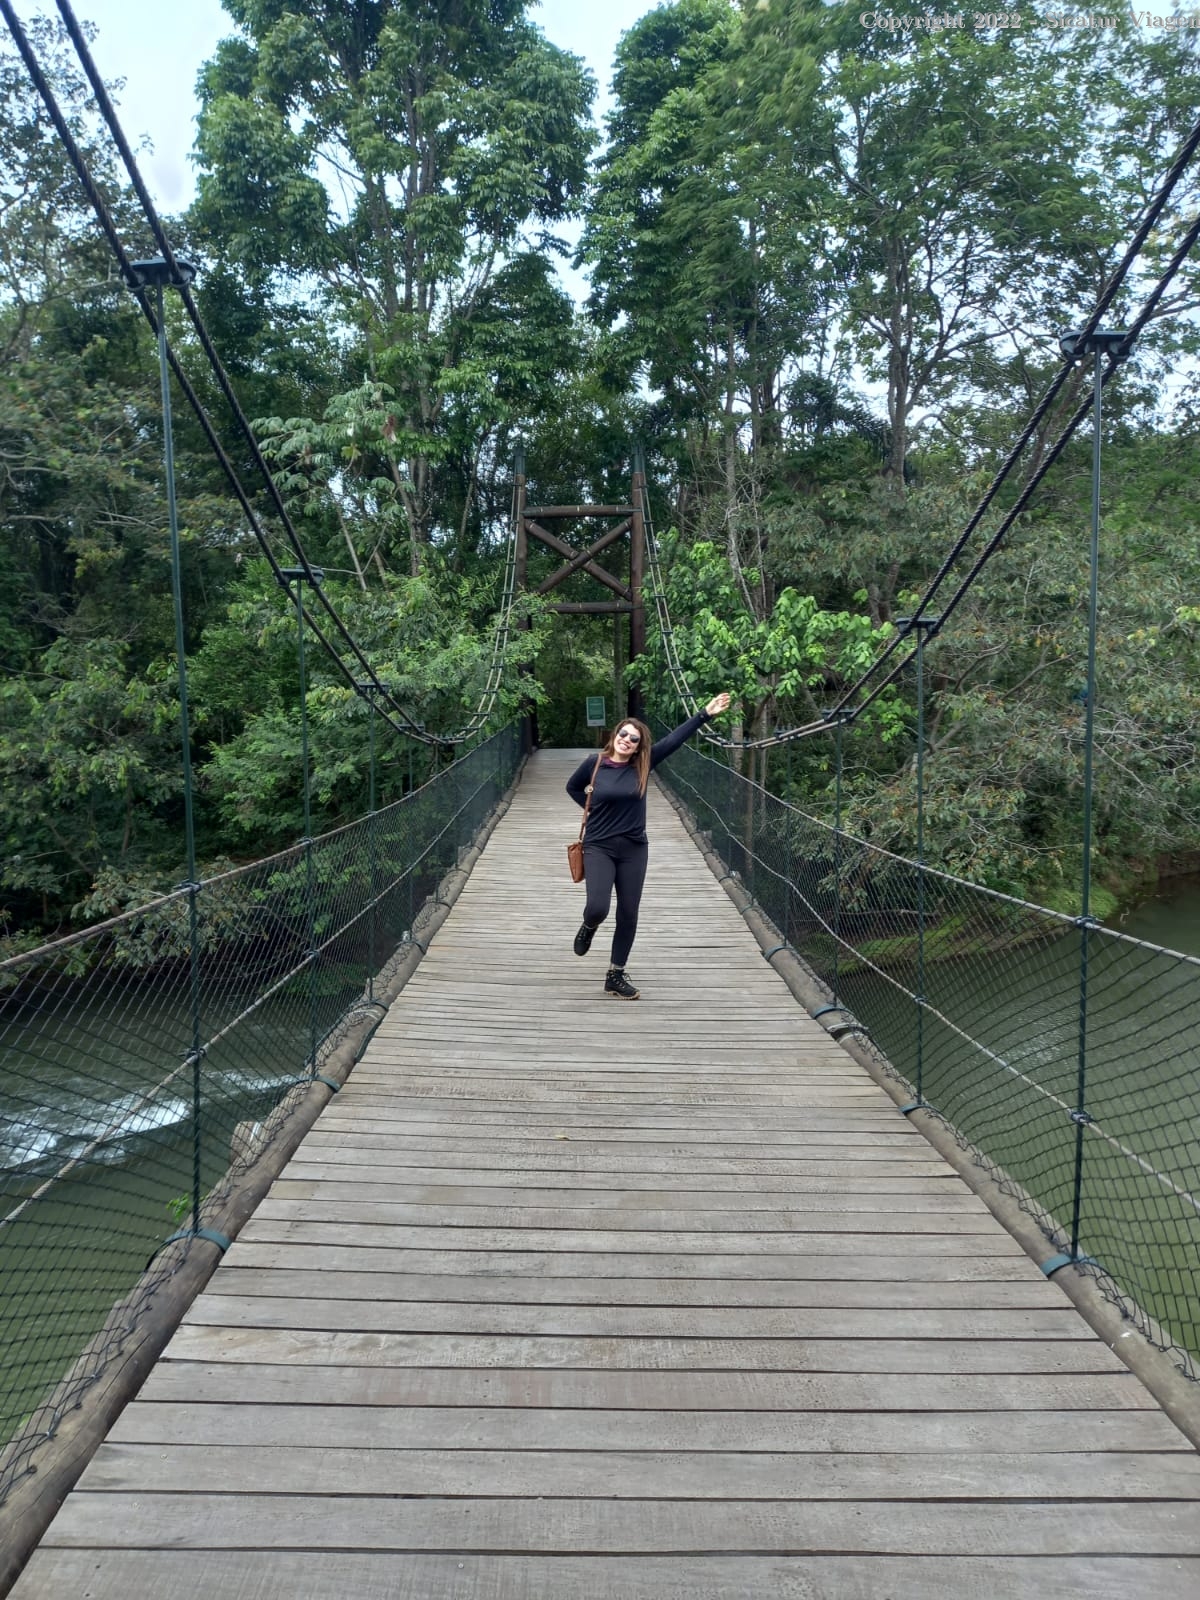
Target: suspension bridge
x: 565, y: 1297
x: 827, y: 1268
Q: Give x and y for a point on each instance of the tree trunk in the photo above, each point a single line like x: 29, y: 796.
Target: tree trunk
x: 358, y: 571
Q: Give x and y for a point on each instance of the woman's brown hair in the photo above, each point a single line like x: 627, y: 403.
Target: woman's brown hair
x: 640, y: 762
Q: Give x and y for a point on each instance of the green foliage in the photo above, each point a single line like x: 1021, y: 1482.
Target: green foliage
x: 790, y: 663
x: 1005, y: 719
x: 419, y: 636
x: 88, y: 761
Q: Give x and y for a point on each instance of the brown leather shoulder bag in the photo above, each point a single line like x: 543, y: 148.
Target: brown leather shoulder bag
x: 575, y: 848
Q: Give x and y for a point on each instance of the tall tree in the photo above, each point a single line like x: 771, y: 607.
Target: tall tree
x: 398, y: 158
x: 703, y: 240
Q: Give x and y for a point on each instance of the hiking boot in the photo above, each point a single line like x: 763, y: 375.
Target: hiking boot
x: 583, y: 939
x: 619, y: 985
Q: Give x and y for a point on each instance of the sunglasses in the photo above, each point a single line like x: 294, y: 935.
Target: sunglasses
x: 633, y: 738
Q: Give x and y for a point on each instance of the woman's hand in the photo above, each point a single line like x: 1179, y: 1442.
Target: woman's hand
x: 717, y: 704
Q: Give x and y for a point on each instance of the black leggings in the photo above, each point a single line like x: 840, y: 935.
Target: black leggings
x: 620, y: 862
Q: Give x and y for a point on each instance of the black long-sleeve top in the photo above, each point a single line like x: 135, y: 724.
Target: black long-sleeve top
x: 617, y: 807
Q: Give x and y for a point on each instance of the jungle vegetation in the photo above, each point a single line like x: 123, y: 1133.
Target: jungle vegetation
x: 829, y: 269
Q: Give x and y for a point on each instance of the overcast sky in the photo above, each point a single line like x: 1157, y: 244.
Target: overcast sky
x: 158, y: 50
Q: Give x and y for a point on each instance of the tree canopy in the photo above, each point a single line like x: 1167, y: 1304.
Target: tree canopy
x: 829, y: 268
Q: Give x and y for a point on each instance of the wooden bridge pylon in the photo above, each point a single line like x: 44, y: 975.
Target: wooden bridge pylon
x: 531, y: 520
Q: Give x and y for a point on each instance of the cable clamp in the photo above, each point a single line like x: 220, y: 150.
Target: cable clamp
x: 190, y: 884
x: 1050, y: 1267
x: 1082, y: 1119
x: 221, y: 1240
x: 1087, y: 922
x: 841, y: 1029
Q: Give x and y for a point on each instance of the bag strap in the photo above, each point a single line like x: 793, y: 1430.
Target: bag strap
x: 587, y: 805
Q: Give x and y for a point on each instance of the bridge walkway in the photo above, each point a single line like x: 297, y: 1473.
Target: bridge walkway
x: 566, y: 1297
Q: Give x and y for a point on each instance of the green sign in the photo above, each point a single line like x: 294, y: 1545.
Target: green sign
x: 595, y: 711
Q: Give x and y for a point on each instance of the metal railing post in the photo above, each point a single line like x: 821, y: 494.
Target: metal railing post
x: 156, y: 274
x: 924, y: 628
x: 839, y: 717
x: 298, y: 576
x: 372, y: 842
x: 1074, y: 346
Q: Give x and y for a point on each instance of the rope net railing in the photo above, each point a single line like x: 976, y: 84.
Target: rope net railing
x: 142, y: 1060
x: 973, y: 1000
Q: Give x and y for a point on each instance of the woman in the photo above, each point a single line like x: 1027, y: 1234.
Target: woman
x: 615, y: 850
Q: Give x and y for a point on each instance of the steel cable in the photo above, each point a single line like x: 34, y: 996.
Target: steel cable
x: 113, y: 123
x: 408, y: 725
x: 843, y: 707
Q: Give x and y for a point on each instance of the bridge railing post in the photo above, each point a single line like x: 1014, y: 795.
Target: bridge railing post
x: 157, y: 274
x: 298, y: 576
x: 839, y: 717
x: 372, y: 844
x: 924, y: 628
x: 1100, y: 342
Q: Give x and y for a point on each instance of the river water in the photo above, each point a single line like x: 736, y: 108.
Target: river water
x: 1171, y: 918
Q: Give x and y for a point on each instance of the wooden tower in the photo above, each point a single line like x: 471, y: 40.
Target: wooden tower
x: 629, y: 519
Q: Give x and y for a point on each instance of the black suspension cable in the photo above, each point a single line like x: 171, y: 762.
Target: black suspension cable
x: 1153, y: 212
x: 1113, y: 361
x: 1155, y: 209
x: 108, y: 112
x: 104, y: 217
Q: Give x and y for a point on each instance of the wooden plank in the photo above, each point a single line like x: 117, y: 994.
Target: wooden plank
x: 582, y: 1473
x: 567, y: 1160
x: 299, y: 1226
x: 483, y: 1182
x: 321, y: 1347
x: 671, y: 1140
x: 499, y: 1200
x: 389, y: 1152
x: 528, y: 1428
x: 878, y: 1218
x: 477, y: 1389
x: 335, y: 1575
x: 348, y: 1522
x: 578, y: 511
x: 640, y: 1125
x: 262, y: 1270
x: 627, y: 1322
x: 703, y: 1145
x: 612, y: 1108
x: 635, y: 1266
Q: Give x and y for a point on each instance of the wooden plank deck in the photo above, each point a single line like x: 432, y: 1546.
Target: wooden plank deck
x: 566, y: 1297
